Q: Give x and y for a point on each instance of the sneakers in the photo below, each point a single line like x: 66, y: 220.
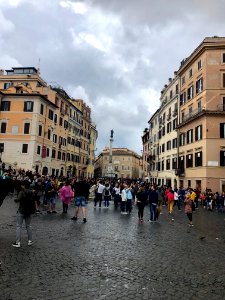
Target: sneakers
x: 74, y: 218
x: 84, y: 220
x: 16, y: 244
x: 30, y: 243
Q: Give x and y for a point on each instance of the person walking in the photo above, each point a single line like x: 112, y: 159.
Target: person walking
x: 124, y: 199
x: 188, y: 202
x: 170, y: 199
x: 80, y: 191
x: 141, y: 198
x: 25, y: 210
x: 153, y: 202
x: 106, y: 195
x: 65, y: 195
x: 129, y: 192
x: 99, y: 190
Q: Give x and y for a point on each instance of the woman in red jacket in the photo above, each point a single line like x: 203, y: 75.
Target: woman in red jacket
x: 170, y: 197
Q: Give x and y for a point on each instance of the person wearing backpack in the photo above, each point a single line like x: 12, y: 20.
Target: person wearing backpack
x: 25, y: 210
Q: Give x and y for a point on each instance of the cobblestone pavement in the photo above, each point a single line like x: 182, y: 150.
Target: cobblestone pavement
x: 113, y: 257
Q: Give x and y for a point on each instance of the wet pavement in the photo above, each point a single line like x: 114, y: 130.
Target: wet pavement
x: 112, y: 256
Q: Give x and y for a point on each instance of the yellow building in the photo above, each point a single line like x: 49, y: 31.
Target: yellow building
x: 125, y: 164
x: 41, y: 127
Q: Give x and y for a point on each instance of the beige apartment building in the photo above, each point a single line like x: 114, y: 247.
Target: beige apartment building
x: 41, y: 127
x: 191, y: 151
x: 125, y: 164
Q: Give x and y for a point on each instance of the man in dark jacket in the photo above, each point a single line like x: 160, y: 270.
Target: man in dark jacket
x: 26, y: 208
x: 81, y: 190
x: 153, y: 202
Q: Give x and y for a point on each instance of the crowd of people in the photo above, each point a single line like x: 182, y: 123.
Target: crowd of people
x: 38, y: 194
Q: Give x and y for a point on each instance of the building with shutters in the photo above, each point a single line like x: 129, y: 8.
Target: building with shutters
x: 192, y: 153
x: 41, y: 126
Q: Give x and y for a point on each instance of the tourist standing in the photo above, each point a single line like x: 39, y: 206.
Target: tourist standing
x: 153, y: 202
x: 80, y: 190
x: 26, y: 208
x: 188, y: 202
x: 66, y: 194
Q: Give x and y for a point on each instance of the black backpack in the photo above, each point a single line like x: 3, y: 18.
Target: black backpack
x: 106, y: 192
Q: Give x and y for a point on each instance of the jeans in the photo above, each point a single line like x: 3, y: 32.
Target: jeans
x: 153, y: 207
x: 19, y: 222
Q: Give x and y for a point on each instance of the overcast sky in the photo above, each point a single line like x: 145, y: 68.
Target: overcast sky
x: 115, y: 54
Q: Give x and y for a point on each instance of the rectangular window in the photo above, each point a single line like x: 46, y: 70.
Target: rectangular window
x: 40, y: 130
x: 59, y: 155
x: 3, y: 127
x: 50, y: 114
x: 177, y: 89
x: 181, y: 164
x: 55, y: 118
x: 223, y: 58
x: 222, y: 130
x: 199, y: 85
x: 190, y: 73
x: 28, y: 106
x: 189, y: 136
x: 5, y: 105
x: 189, y: 160
x: 54, y: 138
x: 198, y: 159
x: 168, y: 164
x: 199, y: 64
x: 182, y: 139
x: 42, y: 109
x: 163, y: 147
x: 199, y: 106
x: 49, y: 134
x: 169, y: 127
x: 60, y: 121
x: 7, y: 85
x: 174, y: 163
x: 53, y: 153
x: 183, y: 80
x: 168, y: 145
x: 25, y: 148
x: 174, y: 143
x: 223, y: 80
x: 190, y: 92
x: 2, y: 147
x: 174, y: 124
x: 162, y: 165
x: 163, y: 131
x: 222, y: 158
x: 39, y: 150
x: 198, y: 133
x: 26, y: 129
x: 183, y: 98
x: 48, y: 152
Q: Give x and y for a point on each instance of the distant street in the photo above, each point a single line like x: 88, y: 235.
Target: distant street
x: 112, y: 256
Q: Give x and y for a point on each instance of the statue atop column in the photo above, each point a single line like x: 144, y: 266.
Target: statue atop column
x: 111, y: 136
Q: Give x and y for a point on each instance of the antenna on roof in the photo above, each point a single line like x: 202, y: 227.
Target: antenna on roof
x: 39, y: 65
